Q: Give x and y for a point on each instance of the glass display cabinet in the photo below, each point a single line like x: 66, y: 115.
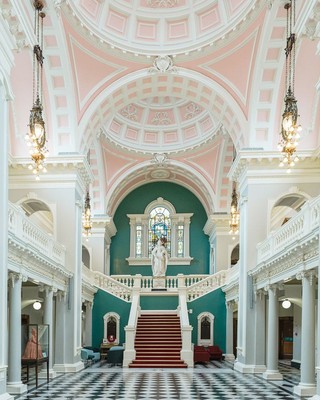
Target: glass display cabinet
x: 35, y: 348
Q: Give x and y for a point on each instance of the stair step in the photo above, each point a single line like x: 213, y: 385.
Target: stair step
x: 157, y: 365
x: 158, y: 342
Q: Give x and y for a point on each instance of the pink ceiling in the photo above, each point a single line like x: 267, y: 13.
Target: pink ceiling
x: 161, y: 25
x: 226, y: 88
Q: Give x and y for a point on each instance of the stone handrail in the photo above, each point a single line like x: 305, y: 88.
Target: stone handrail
x: 295, y: 229
x: 28, y: 234
x: 112, y: 286
x: 207, y: 285
x: 146, y: 281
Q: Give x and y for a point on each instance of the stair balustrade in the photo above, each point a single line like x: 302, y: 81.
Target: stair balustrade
x: 112, y: 286
x: 207, y: 285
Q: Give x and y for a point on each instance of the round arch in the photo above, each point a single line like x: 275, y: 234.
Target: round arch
x: 39, y: 212
x: 286, y: 206
x: 119, y: 94
x: 144, y: 173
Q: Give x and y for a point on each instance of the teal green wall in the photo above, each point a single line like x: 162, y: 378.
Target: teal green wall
x: 104, y: 303
x: 159, y: 302
x: 135, y: 203
x: 214, y: 303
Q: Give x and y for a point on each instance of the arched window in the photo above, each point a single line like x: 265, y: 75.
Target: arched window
x: 159, y: 220
x: 205, y: 329
x: 159, y: 227
x: 111, y: 328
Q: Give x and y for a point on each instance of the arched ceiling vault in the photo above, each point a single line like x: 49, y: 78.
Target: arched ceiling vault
x: 152, y: 112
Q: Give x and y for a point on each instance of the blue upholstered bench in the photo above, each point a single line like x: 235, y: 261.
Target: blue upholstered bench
x: 89, y: 356
x: 115, y: 355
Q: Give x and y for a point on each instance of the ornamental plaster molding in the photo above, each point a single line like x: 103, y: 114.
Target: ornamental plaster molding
x: 16, y: 27
x: 231, y: 292
x: 312, y: 24
x: 310, y: 276
x: 14, y: 277
x: 34, y: 266
x: 288, y: 266
x: 88, y: 291
x: 124, y: 47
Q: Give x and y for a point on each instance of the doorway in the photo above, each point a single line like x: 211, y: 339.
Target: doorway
x: 285, y: 338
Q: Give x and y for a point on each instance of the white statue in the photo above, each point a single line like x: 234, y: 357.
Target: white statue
x: 159, y: 259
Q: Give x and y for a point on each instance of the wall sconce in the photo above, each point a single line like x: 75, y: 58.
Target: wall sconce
x: 37, y: 305
x: 286, y: 304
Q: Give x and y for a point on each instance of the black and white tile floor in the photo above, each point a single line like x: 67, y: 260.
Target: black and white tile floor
x: 212, y: 381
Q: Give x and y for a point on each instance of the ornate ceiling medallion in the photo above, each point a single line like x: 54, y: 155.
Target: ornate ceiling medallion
x: 163, y: 64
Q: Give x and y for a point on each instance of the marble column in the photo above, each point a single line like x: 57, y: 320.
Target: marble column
x: 317, y: 395
x: 60, y: 332
x: 307, y: 385
x: 88, y: 324
x: 14, y: 383
x: 48, y: 319
x: 229, y: 331
x: 260, y: 332
x: 4, y: 151
x: 272, y: 372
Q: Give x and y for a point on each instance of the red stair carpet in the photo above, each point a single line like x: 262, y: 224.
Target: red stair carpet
x: 158, y: 342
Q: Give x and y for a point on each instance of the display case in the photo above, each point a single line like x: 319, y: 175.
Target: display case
x: 35, y: 347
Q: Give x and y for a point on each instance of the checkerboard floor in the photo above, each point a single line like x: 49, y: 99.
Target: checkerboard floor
x: 211, y: 381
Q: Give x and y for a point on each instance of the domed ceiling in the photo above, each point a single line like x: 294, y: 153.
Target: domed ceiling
x: 162, y: 26
x: 166, y: 123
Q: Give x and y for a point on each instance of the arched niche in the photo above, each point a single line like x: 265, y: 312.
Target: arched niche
x: 111, y: 331
x: 205, y: 329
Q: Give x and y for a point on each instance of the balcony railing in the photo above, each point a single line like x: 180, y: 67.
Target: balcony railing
x: 301, y: 225
x: 25, y: 233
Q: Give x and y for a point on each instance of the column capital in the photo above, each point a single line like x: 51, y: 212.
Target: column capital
x: 260, y: 293
x: 273, y: 288
x: 46, y: 289
x: 14, y: 276
x: 230, y: 304
x: 60, y: 295
x: 309, y: 275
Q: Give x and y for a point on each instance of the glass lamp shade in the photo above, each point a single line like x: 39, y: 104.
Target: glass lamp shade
x: 286, y: 304
x: 287, y: 121
x: 36, y: 305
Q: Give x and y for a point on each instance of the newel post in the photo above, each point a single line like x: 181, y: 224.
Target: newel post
x: 186, y: 328
x: 130, y: 330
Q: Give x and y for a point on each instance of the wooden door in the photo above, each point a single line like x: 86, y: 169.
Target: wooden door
x: 285, y: 338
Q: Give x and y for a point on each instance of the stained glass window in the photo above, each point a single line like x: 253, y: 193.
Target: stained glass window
x: 159, y: 227
x: 180, y: 241
x: 138, y: 241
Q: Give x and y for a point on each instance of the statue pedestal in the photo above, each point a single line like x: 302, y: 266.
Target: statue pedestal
x: 158, y: 283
